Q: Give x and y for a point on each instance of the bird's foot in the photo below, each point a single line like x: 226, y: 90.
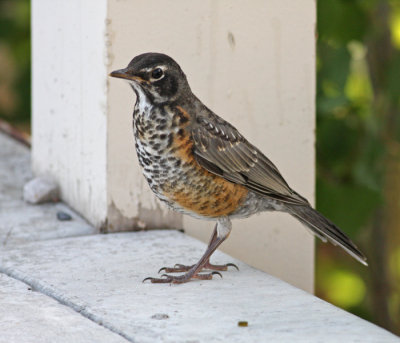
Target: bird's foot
x: 165, y: 278
x: 178, y: 268
x: 220, y: 267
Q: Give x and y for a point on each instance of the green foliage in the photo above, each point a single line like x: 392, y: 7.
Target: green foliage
x: 341, y: 20
x: 348, y: 148
x: 358, y: 85
x: 15, y: 77
x: 349, y: 206
x: 345, y: 288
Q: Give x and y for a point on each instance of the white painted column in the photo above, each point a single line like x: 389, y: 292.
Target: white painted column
x: 69, y: 120
x: 253, y: 63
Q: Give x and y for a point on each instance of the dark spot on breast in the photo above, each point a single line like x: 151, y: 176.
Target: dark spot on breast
x: 170, y: 140
x: 161, y: 127
x: 183, y: 119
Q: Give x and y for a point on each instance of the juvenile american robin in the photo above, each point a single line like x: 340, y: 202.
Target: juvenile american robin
x: 199, y: 164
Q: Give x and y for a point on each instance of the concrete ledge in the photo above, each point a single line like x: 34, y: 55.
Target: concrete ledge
x: 28, y: 316
x: 101, y: 276
x: 96, y: 282
x: 21, y: 222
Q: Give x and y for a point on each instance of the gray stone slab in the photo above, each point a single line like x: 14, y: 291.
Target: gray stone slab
x: 101, y: 277
x: 28, y: 316
x: 21, y: 222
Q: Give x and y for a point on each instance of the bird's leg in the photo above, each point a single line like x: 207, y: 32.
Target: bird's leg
x: 178, y: 268
x: 221, y: 232
x: 218, y: 267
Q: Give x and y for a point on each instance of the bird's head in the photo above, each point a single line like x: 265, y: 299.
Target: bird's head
x: 154, y: 77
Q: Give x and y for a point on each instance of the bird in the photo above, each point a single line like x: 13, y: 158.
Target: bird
x: 200, y: 165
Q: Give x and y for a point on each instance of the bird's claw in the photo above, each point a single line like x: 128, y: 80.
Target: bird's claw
x: 162, y: 269
x: 146, y: 279
x: 232, y: 265
x: 163, y: 279
x: 217, y: 273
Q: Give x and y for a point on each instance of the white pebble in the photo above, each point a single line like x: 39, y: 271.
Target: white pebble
x: 41, y: 189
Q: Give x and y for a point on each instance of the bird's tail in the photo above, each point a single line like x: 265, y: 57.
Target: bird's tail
x: 325, y: 229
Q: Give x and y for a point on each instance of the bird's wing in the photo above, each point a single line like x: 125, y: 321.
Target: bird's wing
x: 222, y: 150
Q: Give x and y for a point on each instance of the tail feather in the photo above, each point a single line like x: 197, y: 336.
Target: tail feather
x: 325, y: 229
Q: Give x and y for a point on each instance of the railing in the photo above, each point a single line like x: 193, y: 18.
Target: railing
x: 62, y: 282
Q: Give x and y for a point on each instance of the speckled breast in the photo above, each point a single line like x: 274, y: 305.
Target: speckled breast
x: 165, y: 152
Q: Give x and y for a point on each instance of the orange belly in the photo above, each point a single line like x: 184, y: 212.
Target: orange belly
x: 200, y: 191
x: 221, y: 198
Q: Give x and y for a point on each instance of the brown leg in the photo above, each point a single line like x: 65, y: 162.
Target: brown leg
x: 221, y: 232
x: 178, y: 268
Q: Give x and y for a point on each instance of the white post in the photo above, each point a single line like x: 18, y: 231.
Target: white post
x: 253, y: 63
x: 69, y: 121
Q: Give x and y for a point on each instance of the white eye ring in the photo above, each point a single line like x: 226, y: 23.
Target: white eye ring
x: 157, y: 73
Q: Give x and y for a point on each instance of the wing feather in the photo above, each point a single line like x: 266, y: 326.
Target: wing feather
x: 222, y: 150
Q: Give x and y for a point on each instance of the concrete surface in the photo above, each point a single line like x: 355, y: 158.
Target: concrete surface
x: 28, y: 316
x: 21, y: 222
x: 101, y: 277
x: 89, y: 288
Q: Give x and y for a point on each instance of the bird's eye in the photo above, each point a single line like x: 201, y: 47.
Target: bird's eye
x: 157, y: 73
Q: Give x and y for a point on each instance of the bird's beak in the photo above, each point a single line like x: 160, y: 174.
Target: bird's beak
x: 124, y: 74
x: 121, y: 73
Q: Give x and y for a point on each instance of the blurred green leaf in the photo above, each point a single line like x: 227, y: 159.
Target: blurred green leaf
x: 395, y: 23
x: 344, y: 288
